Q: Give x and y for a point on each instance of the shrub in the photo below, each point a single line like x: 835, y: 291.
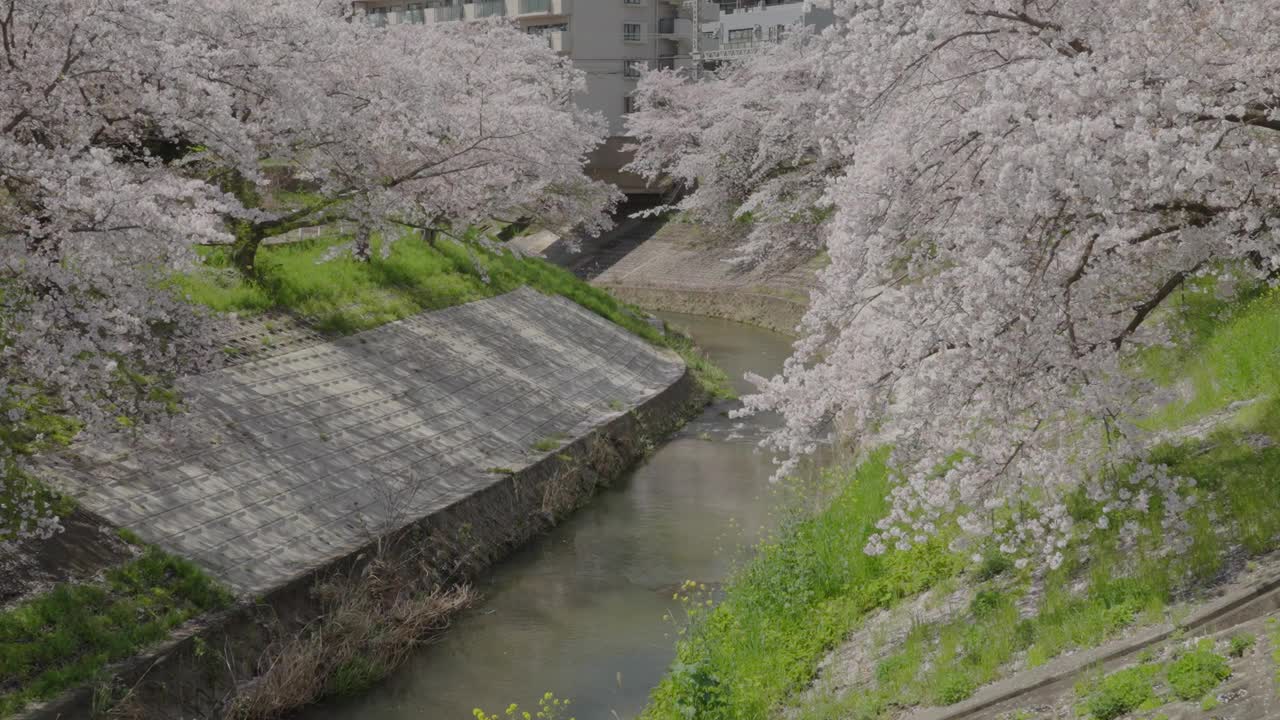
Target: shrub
x: 1241, y: 643
x: 1121, y: 692
x: 1197, y: 672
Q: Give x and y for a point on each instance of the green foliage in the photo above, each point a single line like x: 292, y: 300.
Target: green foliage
x: 985, y: 602
x: 345, y: 296
x: 354, y: 676
x: 549, y: 708
x: 547, y: 444
x: 1197, y: 672
x: 1226, y: 351
x: 67, y: 636
x: 1241, y: 643
x: 1121, y: 692
x: 994, y: 564
x: 712, y: 379
x: 800, y: 595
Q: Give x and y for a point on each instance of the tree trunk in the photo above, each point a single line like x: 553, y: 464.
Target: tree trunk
x: 244, y: 253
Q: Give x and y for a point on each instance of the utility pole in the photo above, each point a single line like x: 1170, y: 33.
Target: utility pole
x: 696, y: 52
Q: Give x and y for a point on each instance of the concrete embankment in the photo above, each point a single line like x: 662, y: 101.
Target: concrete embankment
x: 454, y: 435
x: 675, y: 266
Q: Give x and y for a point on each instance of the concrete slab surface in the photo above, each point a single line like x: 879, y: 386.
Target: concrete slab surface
x: 290, y: 460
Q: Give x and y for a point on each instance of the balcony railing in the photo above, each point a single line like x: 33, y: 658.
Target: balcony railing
x: 535, y: 6
x: 491, y: 8
x: 447, y: 13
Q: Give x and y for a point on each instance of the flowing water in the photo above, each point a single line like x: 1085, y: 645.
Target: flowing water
x: 580, y: 611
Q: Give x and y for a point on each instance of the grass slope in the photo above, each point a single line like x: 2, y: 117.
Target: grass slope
x: 341, y: 295
x: 747, y: 657
x: 69, y: 635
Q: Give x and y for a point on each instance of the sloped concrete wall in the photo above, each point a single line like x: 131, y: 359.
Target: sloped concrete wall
x: 452, y: 402
x: 296, y: 459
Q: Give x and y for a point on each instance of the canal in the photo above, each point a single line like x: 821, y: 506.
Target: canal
x: 580, y: 612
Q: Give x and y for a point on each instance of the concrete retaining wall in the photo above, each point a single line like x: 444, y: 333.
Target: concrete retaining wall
x: 607, y: 398
x: 678, y: 267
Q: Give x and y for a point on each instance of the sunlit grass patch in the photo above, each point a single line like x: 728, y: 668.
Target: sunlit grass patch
x: 803, y: 592
x: 342, y: 295
x: 67, y: 636
x: 1225, y: 352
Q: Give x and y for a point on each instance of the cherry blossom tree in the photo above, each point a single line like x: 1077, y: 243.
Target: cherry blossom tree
x: 132, y: 130
x: 747, y: 145
x: 1025, y: 186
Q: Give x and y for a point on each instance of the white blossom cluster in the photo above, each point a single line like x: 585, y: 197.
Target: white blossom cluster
x: 1022, y: 186
x: 746, y: 146
x: 132, y: 130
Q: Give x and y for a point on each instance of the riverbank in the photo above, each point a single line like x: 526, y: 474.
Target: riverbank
x: 665, y: 264
x: 813, y: 629
x: 580, y: 611
x: 437, y: 443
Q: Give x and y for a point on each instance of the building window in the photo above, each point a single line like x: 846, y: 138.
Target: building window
x: 628, y: 104
x: 631, y: 32
x: 631, y: 2
x: 377, y: 17
x: 631, y: 68
x: 414, y: 14
x: 743, y: 35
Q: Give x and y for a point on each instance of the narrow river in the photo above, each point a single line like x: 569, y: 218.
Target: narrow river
x: 580, y: 611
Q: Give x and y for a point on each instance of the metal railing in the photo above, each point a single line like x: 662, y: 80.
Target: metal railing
x: 491, y: 8
x: 446, y: 13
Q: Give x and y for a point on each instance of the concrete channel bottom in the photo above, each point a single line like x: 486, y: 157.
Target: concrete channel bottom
x: 290, y: 461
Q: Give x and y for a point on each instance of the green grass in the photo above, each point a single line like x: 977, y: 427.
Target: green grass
x: 802, y: 593
x: 547, y: 444
x: 1146, y: 686
x: 343, y: 296
x: 1197, y: 672
x: 1224, y: 352
x: 1122, y: 692
x: 749, y: 656
x: 67, y: 636
x: 1242, y: 643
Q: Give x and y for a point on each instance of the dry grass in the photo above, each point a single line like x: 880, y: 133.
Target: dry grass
x: 373, y: 623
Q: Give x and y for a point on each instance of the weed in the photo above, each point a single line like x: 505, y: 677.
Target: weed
x: 129, y: 536
x: 617, y: 405
x: 547, y: 444
x: 1197, y: 672
x: 371, y: 623
x: 1241, y: 643
x: 67, y: 636
x: 1121, y: 692
x: 994, y: 563
x: 805, y: 589
x: 549, y: 708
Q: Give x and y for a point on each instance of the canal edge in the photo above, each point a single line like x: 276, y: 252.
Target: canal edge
x: 205, y: 663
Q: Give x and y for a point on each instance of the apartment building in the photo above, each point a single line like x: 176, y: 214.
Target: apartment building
x: 613, y: 40
x: 736, y: 28
x: 610, y: 40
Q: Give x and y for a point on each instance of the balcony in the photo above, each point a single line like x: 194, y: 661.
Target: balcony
x: 485, y: 8
x: 446, y: 13
x: 560, y: 41
x: 379, y: 15
x: 541, y: 7
x: 675, y: 28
